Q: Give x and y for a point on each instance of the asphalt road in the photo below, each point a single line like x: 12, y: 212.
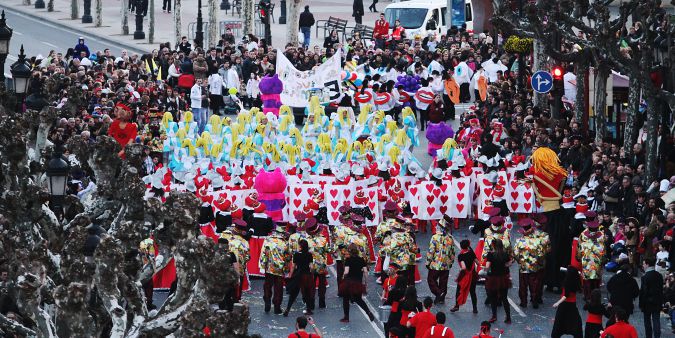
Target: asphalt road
x: 39, y: 37
x: 527, y: 322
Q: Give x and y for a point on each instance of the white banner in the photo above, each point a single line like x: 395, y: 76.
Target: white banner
x: 300, y: 85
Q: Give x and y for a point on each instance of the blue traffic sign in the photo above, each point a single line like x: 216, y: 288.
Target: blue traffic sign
x: 542, y: 82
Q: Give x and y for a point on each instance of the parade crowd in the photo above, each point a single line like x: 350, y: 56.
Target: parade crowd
x: 210, y: 126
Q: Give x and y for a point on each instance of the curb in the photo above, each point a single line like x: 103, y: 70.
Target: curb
x: 18, y: 10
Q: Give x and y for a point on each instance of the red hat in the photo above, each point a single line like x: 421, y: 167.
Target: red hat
x: 299, y: 215
x: 539, y: 218
x: 358, y: 218
x: 123, y: 106
x: 311, y: 225
x: 251, y: 200
x: 497, y: 220
x: 493, y: 211
x: 260, y: 208
x: 390, y: 206
x: 593, y: 224
x: 474, y: 121
x: 526, y: 223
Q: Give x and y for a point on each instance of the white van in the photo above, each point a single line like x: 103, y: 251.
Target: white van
x: 422, y: 16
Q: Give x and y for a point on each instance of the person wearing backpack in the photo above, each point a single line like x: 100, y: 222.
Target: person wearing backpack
x: 301, y: 325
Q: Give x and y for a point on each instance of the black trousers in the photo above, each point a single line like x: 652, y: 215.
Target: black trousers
x: 495, y: 297
x: 166, y: 5
x: 438, y: 282
x: 354, y: 299
x: 449, y: 108
x: 464, y: 94
x: 424, y: 117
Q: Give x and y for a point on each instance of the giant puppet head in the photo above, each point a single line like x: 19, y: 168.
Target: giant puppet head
x: 270, y: 186
x: 270, y: 91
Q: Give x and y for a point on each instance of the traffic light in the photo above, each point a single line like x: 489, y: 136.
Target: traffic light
x: 557, y: 91
x: 558, y: 83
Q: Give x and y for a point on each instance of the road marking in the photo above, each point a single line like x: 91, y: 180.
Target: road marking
x: 11, y: 57
x: 513, y: 304
x: 78, y: 33
x: 50, y: 44
x: 377, y: 329
x: 17, y: 33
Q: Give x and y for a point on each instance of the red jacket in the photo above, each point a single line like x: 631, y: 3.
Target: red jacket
x: 620, y: 330
x: 381, y: 29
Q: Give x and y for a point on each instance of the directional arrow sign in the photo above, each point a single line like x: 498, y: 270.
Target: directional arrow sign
x: 542, y: 82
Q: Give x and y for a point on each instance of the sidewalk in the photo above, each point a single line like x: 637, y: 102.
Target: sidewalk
x: 111, y: 30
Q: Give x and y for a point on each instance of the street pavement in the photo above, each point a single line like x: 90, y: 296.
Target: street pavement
x: 527, y: 322
x: 111, y: 31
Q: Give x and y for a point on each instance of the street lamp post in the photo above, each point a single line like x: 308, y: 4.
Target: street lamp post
x: 139, y: 34
x: 282, y: 16
x: 57, y: 179
x: 20, y: 74
x: 199, y: 35
x: 86, y: 16
x: 5, y: 36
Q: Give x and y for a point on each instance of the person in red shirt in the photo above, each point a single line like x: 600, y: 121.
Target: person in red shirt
x: 484, y: 330
x: 301, y: 324
x: 439, y: 330
x: 121, y: 130
x: 380, y: 31
x: 423, y: 320
x: 620, y: 329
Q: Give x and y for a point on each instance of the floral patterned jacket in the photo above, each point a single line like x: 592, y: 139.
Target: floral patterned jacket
x: 490, y: 235
x: 401, y: 248
x: 239, y: 247
x: 591, y: 254
x: 441, y: 252
x: 343, y: 237
x: 275, y: 255
x: 530, y: 251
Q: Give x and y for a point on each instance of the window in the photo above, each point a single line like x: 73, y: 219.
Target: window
x: 444, y: 12
x: 467, y: 13
x: 411, y: 18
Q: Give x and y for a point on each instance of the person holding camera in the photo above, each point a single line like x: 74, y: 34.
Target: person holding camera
x: 301, y: 327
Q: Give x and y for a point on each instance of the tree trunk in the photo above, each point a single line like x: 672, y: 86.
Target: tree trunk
x: 124, y: 12
x: 630, y: 129
x: 99, y: 14
x: 651, y: 127
x: 177, y: 21
x: 213, y: 24
x: 292, y: 23
x: 600, y: 106
x: 151, y: 22
x: 74, y: 10
x: 249, y: 16
x: 540, y: 63
x: 580, y: 108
